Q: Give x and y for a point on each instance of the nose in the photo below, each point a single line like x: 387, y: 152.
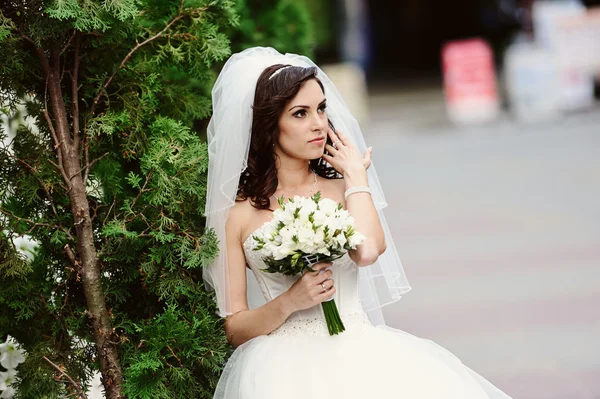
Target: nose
x: 319, y: 122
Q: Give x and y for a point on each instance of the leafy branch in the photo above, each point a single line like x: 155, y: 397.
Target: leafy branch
x: 138, y: 45
x: 36, y: 224
x: 61, y: 371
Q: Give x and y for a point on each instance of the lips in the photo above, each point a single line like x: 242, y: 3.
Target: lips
x: 318, y: 140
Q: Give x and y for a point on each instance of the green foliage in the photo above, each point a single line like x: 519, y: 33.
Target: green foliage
x: 324, y: 24
x: 13, y: 264
x: 168, y: 341
x: 90, y: 15
x: 146, y: 186
x: 282, y: 24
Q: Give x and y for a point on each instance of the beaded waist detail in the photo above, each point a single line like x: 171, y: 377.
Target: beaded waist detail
x: 318, y: 327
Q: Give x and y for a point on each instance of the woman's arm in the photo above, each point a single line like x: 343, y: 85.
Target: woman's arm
x: 346, y: 159
x: 361, y: 207
x: 245, y: 324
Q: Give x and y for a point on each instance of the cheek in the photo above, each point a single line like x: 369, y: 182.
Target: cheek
x: 288, y: 140
x: 290, y: 134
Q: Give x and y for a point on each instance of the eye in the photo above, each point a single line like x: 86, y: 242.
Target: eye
x: 299, y: 114
x: 322, y: 108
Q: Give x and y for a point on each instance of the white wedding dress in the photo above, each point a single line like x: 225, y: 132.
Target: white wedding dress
x: 300, y: 360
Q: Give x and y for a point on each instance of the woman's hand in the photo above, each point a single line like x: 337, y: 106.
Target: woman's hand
x: 311, y: 289
x: 344, y: 156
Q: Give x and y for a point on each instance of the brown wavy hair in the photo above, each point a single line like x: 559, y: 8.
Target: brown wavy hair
x: 259, y: 180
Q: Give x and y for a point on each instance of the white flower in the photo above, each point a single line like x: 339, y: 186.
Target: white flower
x: 350, y: 220
x: 287, y: 234
x: 318, y: 242
x: 285, y: 216
x: 334, y: 224
x: 268, y: 231
x: 328, y: 206
x: 324, y: 251
x: 282, y: 251
x: 343, y: 214
x: 6, y: 379
x: 8, y: 393
x: 10, y: 354
x: 319, y: 217
x: 356, y: 239
x: 306, y: 234
x: 308, y: 240
x: 340, y: 240
x: 267, y: 250
x: 298, y: 200
x: 299, y: 224
x: 319, y: 237
x: 307, y: 208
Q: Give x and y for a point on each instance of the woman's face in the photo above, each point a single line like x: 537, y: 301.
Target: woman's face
x: 303, y: 123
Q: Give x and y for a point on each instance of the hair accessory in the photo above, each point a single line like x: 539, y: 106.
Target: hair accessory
x: 277, y: 71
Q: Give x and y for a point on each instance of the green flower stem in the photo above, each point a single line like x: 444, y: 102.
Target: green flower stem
x: 332, y: 318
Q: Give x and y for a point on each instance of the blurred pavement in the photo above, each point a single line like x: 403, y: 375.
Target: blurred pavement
x: 498, y: 230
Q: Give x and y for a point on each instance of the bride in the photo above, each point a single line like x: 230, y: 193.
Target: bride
x: 279, y: 128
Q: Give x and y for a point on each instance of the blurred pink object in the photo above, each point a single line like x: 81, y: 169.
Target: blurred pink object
x: 470, y: 81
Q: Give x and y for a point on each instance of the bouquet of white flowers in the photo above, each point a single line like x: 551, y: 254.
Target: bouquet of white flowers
x: 305, y: 231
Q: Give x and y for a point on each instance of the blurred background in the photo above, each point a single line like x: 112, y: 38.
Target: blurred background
x: 485, y: 122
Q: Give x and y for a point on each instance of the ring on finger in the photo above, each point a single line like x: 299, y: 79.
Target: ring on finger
x: 335, y: 144
x: 324, y: 289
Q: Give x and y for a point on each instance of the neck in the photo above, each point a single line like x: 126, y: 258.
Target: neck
x: 294, y: 176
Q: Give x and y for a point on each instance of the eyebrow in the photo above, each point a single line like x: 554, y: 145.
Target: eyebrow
x: 306, y: 106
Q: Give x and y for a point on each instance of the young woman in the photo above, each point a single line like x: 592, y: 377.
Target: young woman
x: 279, y: 128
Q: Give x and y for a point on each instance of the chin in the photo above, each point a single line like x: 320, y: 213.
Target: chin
x: 315, y: 155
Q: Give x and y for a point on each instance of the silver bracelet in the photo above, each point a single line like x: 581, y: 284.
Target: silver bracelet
x: 357, y: 189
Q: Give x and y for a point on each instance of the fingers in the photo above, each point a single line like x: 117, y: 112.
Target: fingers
x: 327, y: 294
x: 331, y: 161
x: 332, y: 136
x: 336, y: 140
x: 323, y: 282
x: 326, y: 275
x: 321, y: 265
x: 368, y: 157
x: 331, y: 149
x: 321, y: 273
x: 343, y: 138
x: 328, y: 285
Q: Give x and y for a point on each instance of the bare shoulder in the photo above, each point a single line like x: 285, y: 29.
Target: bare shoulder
x: 238, y: 217
x: 242, y: 211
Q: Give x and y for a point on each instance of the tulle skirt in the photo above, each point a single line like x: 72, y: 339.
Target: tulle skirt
x: 301, y: 361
